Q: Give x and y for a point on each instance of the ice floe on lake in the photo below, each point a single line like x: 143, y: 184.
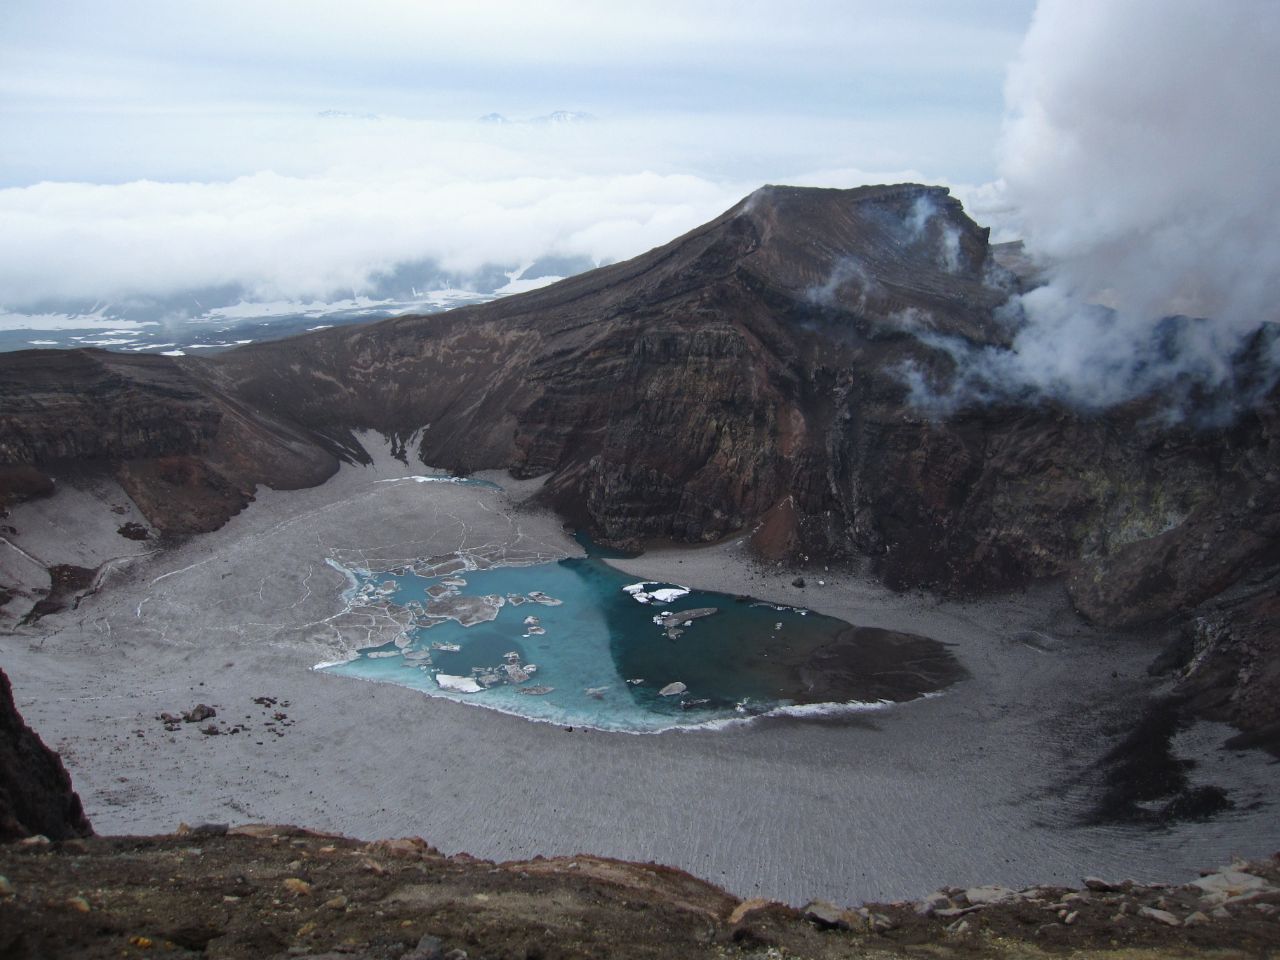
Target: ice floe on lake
x: 641, y: 594
x: 460, y: 684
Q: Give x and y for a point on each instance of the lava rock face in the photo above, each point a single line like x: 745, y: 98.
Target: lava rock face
x: 189, y: 455
x: 77, y: 405
x: 35, y: 792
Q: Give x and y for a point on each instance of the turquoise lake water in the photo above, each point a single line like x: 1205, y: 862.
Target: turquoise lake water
x: 600, y: 660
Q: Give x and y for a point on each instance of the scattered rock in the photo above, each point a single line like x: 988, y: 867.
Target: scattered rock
x: 299, y: 888
x: 746, y: 907
x: 1229, y: 884
x: 933, y: 903
x: 133, y: 531
x: 798, y: 582
x: 672, y: 689
x: 1196, y: 919
x: 982, y: 896
x: 79, y: 904
x: 6, y: 888
x: 1099, y: 885
x: 199, y: 713
x: 1160, y: 916
x: 210, y: 731
x: 337, y: 903
x: 881, y: 922
x: 827, y: 915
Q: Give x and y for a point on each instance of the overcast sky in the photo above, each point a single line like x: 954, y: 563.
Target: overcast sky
x: 106, y: 92
x: 152, y: 146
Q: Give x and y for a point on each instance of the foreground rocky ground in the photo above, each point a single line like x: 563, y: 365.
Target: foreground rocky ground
x: 275, y: 891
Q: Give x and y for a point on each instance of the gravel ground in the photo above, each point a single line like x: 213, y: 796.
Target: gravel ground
x: 988, y: 783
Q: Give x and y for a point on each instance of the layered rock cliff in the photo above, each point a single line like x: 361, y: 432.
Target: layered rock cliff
x: 748, y: 377
x: 188, y: 454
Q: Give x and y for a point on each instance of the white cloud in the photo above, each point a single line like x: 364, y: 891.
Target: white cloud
x: 1143, y: 153
x: 294, y: 237
x: 1140, y: 163
x: 154, y: 147
x: 394, y: 190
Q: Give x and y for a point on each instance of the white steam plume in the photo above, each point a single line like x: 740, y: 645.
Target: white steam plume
x: 1141, y: 158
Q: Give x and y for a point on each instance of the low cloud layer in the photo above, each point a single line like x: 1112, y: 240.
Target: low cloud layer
x: 386, y: 193
x: 299, y: 150
x: 1140, y: 165
x: 330, y: 233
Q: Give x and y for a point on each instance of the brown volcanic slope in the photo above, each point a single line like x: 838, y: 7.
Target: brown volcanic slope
x: 744, y: 377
